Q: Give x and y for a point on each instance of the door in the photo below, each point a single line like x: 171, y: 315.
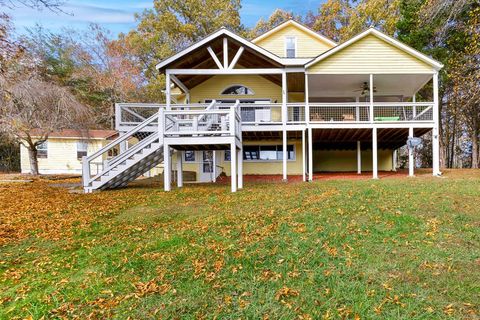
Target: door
x: 206, y: 166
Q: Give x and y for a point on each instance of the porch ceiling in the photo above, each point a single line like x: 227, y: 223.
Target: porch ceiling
x: 344, y: 85
x: 347, y: 138
x: 201, y: 59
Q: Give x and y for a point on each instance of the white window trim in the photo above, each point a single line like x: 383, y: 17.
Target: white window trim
x: 262, y: 161
x: 86, y: 148
x: 233, y: 85
x: 285, y: 45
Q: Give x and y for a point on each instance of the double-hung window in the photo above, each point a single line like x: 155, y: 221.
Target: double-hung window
x: 189, y: 156
x: 264, y: 153
x: 82, y: 147
x: 42, y: 150
x: 290, y: 47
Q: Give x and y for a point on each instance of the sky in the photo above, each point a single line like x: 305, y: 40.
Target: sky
x: 118, y: 15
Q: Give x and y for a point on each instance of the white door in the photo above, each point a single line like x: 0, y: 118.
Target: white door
x: 206, y: 166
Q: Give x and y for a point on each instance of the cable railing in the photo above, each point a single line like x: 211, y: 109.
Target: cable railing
x: 264, y: 113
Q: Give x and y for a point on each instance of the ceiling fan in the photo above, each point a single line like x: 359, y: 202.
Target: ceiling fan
x: 365, y: 88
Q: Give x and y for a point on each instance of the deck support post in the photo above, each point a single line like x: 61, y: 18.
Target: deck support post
x: 310, y: 155
x: 307, y: 103
x: 374, y: 153
x: 179, y: 168
x: 233, y: 166
x: 240, y: 168
x: 284, y: 123
x: 304, y: 160
x: 167, y: 168
x: 359, y: 158
x: 285, y: 155
x: 435, y: 131
x: 411, y: 158
x: 394, y: 160
x: 214, y: 166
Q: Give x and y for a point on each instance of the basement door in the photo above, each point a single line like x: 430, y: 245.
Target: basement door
x: 206, y: 166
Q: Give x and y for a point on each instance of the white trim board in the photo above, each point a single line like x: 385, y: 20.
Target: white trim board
x: 372, y: 31
x: 298, y: 25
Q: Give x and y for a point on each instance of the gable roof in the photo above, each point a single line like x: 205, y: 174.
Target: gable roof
x: 216, y: 34
x: 298, y: 25
x: 372, y: 31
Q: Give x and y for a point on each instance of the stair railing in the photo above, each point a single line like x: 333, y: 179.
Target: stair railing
x: 114, y: 147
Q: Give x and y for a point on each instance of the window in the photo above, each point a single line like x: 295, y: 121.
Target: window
x: 82, y: 147
x: 291, y: 47
x: 189, y: 156
x: 42, y: 150
x: 264, y: 153
x: 238, y: 90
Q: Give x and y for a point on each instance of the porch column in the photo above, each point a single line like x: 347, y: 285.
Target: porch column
x: 374, y: 153
x: 394, y: 160
x: 179, y: 168
x: 310, y: 155
x: 284, y: 121
x: 411, y: 159
x: 307, y: 103
x: 304, y: 160
x: 233, y: 166
x: 214, y: 166
x: 240, y: 168
x: 372, y: 113
x: 166, y: 167
x: 167, y: 90
x: 285, y: 154
x: 435, y: 131
x: 359, y: 157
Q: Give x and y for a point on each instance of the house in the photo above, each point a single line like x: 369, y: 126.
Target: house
x: 289, y: 102
x: 63, y: 151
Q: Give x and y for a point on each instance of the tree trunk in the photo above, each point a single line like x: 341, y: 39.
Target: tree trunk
x: 32, y: 154
x: 475, y: 149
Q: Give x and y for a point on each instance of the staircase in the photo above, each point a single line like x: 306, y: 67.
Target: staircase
x: 115, y: 166
x: 111, y: 168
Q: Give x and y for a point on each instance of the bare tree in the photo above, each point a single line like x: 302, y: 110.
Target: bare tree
x: 52, y: 5
x: 30, y: 109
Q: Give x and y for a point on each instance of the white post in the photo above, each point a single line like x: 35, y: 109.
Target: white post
x: 394, y: 160
x: 240, y: 168
x: 359, y: 157
x: 233, y: 166
x: 304, y: 160
x: 123, y: 146
x: 166, y: 167
x: 310, y: 155
x: 118, y: 116
x: 307, y: 103
x: 414, y: 109
x: 411, y: 159
x: 285, y: 154
x: 225, y: 53
x: 167, y: 89
x: 435, y: 131
x: 374, y: 153
x: 284, y: 97
x: 372, y: 113
x: 214, y: 166
x: 179, y: 168
x: 357, y: 109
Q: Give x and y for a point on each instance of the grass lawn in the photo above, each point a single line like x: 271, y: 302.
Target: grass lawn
x: 395, y: 248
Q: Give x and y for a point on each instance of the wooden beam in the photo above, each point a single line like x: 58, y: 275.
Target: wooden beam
x: 236, y: 57
x: 225, y: 71
x: 225, y: 53
x: 214, y: 57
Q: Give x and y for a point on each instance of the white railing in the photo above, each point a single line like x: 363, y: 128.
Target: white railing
x: 129, y: 115
x: 223, y: 121
x: 116, y: 151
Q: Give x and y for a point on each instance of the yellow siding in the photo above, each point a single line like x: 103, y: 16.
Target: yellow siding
x: 343, y: 160
x: 211, y: 88
x: 62, y: 156
x: 370, y: 55
x: 270, y: 167
x: 308, y: 46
